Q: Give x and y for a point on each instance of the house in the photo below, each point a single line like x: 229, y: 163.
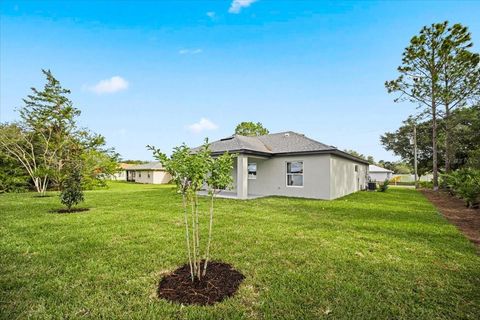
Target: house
x: 290, y: 164
x: 377, y: 173
x: 121, y: 175
x: 151, y: 172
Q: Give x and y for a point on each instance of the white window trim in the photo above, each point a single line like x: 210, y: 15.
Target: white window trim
x: 252, y: 177
x: 286, y: 173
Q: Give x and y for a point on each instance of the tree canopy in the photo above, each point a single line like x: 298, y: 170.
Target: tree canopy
x: 251, y: 129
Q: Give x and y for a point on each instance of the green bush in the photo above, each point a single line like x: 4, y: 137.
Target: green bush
x: 464, y: 183
x: 425, y: 184
x: 384, y: 185
x: 72, y: 193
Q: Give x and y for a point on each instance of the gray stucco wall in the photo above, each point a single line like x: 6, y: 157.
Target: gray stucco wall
x: 344, y: 178
x: 272, y: 180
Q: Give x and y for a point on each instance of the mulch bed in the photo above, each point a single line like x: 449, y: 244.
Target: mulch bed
x: 73, y: 210
x: 454, y: 209
x: 220, y: 282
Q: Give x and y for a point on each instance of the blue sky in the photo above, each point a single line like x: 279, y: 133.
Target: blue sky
x: 164, y: 73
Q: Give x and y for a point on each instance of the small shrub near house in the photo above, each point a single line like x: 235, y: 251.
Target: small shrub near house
x: 384, y: 185
x: 464, y: 183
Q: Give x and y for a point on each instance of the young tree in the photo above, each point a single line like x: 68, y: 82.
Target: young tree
x: 220, y: 178
x: 420, y: 77
x: 191, y: 170
x: 71, y: 188
x: 250, y: 129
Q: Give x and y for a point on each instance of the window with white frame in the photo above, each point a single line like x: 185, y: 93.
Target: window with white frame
x: 295, y: 174
x: 252, y: 171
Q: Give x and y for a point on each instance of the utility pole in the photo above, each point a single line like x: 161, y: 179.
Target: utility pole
x: 415, y: 154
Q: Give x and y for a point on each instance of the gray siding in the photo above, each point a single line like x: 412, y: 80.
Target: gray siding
x: 272, y: 180
x: 344, y: 178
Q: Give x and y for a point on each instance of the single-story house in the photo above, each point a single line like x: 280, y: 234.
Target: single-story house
x: 290, y: 164
x: 121, y: 175
x: 152, y: 172
x: 380, y: 174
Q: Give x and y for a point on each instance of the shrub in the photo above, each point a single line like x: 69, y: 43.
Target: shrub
x: 465, y: 183
x: 384, y: 185
x: 425, y: 184
x: 72, y: 193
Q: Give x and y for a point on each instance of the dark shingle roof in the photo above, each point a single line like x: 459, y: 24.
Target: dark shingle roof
x: 282, y: 143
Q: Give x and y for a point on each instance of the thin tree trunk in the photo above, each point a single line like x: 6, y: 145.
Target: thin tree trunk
x: 447, y: 139
x: 434, y: 146
x: 194, y: 242
x: 187, y: 235
x: 198, y: 238
x: 207, y: 255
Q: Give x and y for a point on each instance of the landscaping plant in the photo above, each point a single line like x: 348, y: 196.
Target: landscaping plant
x: 384, y: 185
x: 191, y: 171
x: 464, y: 183
x: 72, y: 193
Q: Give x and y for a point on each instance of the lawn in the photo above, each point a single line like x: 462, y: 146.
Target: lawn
x: 367, y: 255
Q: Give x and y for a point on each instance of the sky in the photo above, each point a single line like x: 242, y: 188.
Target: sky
x: 167, y: 72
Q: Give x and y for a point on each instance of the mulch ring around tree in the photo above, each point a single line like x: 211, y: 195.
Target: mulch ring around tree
x: 220, y: 282
x: 73, y: 210
x: 454, y: 210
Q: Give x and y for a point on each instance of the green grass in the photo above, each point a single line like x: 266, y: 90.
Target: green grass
x: 368, y: 255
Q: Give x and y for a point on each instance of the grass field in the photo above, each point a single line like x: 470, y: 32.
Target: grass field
x: 368, y: 255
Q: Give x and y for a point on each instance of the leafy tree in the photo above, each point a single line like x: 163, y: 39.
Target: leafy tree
x: 424, y: 63
x: 191, y: 171
x: 47, y: 130
x: 13, y: 177
x: 250, y: 129
x: 32, y: 151
x: 399, y: 143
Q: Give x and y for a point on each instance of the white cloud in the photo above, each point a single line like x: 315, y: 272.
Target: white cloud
x: 203, y: 125
x: 114, y: 84
x: 211, y: 14
x: 237, y: 5
x: 190, y: 51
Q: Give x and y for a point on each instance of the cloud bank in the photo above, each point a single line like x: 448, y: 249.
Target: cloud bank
x: 237, y: 5
x: 114, y: 84
x: 203, y: 125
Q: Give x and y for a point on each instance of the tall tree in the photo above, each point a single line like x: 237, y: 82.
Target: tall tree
x: 459, y: 80
x: 420, y: 77
x: 250, y: 129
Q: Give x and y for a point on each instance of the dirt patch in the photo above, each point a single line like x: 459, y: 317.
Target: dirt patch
x: 220, y: 282
x: 454, y: 209
x: 73, y: 210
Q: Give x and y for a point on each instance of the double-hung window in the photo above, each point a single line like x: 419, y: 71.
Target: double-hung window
x: 252, y: 171
x: 295, y: 174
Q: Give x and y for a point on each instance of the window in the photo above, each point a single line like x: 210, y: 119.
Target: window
x: 139, y: 174
x: 295, y: 174
x: 356, y: 168
x: 148, y: 175
x: 252, y: 171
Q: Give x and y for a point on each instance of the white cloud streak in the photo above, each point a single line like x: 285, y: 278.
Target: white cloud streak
x: 211, y: 14
x: 202, y: 125
x: 112, y: 85
x: 190, y: 51
x: 237, y: 5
